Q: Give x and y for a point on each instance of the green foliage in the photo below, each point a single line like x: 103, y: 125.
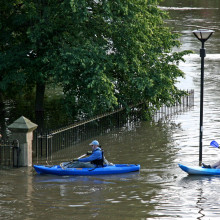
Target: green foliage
x: 125, y: 57
x: 104, y: 54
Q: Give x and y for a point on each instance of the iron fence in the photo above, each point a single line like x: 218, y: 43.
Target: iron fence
x: 164, y: 112
x: 50, y: 145
x: 9, y: 153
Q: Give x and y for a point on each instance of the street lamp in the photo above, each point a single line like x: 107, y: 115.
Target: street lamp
x: 203, y: 35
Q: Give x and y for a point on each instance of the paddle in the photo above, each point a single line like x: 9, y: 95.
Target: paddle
x: 214, y: 144
x: 64, y: 166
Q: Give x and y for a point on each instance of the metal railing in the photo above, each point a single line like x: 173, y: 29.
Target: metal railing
x: 51, y: 145
x: 164, y: 112
x: 9, y: 153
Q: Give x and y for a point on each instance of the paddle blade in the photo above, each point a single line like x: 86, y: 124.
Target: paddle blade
x: 214, y: 144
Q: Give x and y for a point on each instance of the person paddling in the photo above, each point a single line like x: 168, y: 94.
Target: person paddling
x: 95, y: 158
x: 214, y: 166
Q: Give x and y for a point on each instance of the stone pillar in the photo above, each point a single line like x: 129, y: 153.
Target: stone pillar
x: 22, y: 130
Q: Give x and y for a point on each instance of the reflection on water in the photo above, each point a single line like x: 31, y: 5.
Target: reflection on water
x: 101, y: 179
x: 161, y: 190
x: 205, y: 193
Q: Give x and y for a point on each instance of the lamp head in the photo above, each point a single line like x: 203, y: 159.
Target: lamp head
x: 203, y: 34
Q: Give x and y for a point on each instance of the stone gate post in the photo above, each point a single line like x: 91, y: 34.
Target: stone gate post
x: 22, y: 130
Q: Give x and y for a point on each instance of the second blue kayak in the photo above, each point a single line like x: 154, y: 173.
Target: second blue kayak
x: 106, y: 170
x: 196, y: 170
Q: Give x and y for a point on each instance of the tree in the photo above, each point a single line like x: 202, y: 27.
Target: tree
x: 122, y: 56
x: 10, y: 41
x: 32, y: 32
x: 104, y: 54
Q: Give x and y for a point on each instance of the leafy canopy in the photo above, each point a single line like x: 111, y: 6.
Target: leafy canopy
x: 104, y: 54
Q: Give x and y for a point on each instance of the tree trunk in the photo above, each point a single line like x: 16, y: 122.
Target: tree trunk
x: 2, y: 117
x: 39, y: 105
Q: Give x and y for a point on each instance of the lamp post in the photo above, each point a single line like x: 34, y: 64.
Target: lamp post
x: 203, y: 35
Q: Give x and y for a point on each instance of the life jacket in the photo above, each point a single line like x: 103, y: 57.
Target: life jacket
x: 99, y: 162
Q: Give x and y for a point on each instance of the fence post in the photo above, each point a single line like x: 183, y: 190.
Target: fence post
x: 22, y: 130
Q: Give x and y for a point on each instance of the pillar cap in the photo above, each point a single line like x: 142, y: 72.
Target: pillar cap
x: 22, y: 124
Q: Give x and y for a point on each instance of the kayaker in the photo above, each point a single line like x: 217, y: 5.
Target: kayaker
x: 95, y: 158
x: 214, y: 166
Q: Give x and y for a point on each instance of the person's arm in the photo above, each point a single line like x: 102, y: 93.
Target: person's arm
x: 95, y: 155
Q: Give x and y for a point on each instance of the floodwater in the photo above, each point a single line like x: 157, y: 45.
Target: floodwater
x: 161, y: 190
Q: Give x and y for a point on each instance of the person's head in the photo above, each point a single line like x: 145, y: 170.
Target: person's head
x: 94, y: 144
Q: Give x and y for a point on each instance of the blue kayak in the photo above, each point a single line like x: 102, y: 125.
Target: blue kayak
x: 196, y: 170
x: 106, y: 170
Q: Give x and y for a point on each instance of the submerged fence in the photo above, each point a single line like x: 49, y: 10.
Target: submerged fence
x: 47, y: 144
x: 167, y: 111
x: 9, y: 153
x: 52, y: 145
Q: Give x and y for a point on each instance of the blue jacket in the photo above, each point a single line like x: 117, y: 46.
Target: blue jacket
x: 96, y: 155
